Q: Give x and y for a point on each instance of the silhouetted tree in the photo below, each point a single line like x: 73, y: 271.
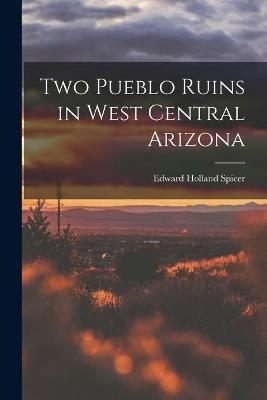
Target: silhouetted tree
x: 36, y: 239
x: 38, y: 242
x: 65, y: 250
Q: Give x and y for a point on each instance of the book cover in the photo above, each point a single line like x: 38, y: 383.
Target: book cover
x: 144, y: 203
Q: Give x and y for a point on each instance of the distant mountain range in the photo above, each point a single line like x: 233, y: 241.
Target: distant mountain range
x: 155, y: 219
x: 195, y: 208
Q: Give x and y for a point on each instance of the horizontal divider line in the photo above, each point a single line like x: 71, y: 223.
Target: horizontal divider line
x: 230, y: 162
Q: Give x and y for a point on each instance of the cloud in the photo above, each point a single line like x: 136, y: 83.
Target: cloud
x: 252, y: 34
x: 140, y: 41
x: 248, y: 6
x: 30, y: 2
x: 164, y: 30
x: 63, y: 11
x: 206, y: 7
x: 201, y: 8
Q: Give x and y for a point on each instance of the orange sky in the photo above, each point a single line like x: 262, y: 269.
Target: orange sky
x: 162, y: 202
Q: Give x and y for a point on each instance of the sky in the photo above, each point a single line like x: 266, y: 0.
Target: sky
x: 125, y: 202
x: 154, y: 30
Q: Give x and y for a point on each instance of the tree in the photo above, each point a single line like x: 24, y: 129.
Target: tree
x: 65, y: 251
x: 36, y: 239
x: 38, y: 242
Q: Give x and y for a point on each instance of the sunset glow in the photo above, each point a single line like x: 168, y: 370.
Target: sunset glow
x: 126, y: 202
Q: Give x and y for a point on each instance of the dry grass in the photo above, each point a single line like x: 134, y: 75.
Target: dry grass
x: 151, y: 359
x: 194, y: 332
x: 219, y: 263
x: 104, y: 298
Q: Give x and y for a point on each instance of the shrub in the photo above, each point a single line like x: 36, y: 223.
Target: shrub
x: 139, y: 264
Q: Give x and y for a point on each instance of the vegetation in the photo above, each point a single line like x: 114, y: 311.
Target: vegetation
x: 194, y: 330
x: 139, y: 264
x: 35, y: 235
x: 39, y: 243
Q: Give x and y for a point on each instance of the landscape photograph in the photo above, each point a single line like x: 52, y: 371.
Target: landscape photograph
x: 137, y: 282
x: 135, y: 300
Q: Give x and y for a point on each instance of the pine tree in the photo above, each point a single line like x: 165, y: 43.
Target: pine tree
x: 35, y: 235
x: 66, y: 253
x: 38, y: 242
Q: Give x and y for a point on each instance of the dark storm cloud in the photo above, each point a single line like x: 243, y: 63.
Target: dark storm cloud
x: 156, y: 40
x: 71, y: 11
